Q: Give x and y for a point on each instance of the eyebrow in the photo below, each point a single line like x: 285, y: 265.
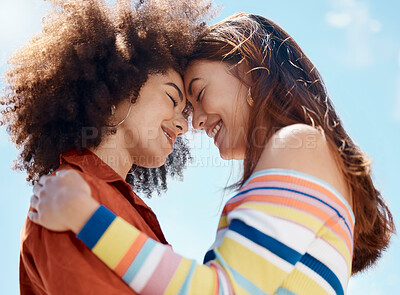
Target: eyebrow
x: 190, y: 86
x: 177, y: 89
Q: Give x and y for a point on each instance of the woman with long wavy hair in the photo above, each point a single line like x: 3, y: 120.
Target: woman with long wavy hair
x: 306, y: 215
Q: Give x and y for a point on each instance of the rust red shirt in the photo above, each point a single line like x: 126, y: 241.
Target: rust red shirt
x: 58, y: 263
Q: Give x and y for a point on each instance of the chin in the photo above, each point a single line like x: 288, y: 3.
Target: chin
x: 226, y: 155
x: 152, y: 162
x: 157, y: 163
x: 232, y: 154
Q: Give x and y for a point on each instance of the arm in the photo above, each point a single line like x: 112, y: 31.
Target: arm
x: 275, y: 230
x: 283, y: 231
x: 59, y: 263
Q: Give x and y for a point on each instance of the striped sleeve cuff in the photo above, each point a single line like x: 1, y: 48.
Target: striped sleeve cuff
x: 96, y: 226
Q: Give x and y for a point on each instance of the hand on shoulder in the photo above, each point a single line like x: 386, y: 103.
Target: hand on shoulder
x: 62, y: 201
x: 304, y: 148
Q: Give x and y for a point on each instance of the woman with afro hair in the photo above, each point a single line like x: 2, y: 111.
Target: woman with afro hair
x: 99, y: 90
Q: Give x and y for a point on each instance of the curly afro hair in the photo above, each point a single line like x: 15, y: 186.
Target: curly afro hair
x: 90, y: 55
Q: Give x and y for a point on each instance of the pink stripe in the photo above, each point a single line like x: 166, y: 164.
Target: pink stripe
x: 336, y: 250
x: 294, y: 196
x: 305, y: 227
x: 291, y: 196
x: 340, y: 206
x: 281, y: 218
x: 314, y: 203
x: 162, y: 276
x: 221, y: 273
x: 302, y: 188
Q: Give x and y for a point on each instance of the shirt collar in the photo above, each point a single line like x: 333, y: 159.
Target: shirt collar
x: 91, y: 164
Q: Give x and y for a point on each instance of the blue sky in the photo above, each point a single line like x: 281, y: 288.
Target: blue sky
x: 355, y: 44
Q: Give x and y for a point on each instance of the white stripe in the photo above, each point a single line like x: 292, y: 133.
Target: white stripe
x: 219, y: 238
x: 331, y: 257
x: 331, y: 205
x: 223, y: 282
x: 222, y: 278
x: 306, y: 177
x: 331, y: 189
x: 315, y: 277
x: 261, y: 251
x: 148, y: 267
x: 287, y: 232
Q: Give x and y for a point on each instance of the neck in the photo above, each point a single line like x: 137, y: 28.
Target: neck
x: 117, y: 158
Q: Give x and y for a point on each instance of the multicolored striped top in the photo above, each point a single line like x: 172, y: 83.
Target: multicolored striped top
x: 283, y: 233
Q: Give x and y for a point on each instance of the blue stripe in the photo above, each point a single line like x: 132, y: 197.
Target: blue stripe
x: 96, y: 226
x: 297, y: 192
x: 266, y: 241
x: 185, y: 286
x: 325, y: 272
x: 134, y: 268
x: 210, y: 255
x: 245, y: 283
x: 303, y: 176
x: 220, y: 288
x: 283, y: 291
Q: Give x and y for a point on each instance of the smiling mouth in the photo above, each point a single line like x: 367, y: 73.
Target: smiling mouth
x: 168, y: 136
x: 215, y: 132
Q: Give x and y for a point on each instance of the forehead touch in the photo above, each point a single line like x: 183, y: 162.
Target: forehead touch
x: 175, y: 80
x: 195, y: 71
x: 200, y: 71
x: 173, y: 76
x: 203, y: 69
x: 198, y: 66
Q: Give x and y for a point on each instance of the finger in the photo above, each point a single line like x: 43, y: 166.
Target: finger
x: 37, y: 188
x: 43, y: 179
x: 34, y: 202
x: 33, y: 216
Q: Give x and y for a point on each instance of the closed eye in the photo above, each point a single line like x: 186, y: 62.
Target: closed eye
x: 173, y: 100
x: 198, y: 97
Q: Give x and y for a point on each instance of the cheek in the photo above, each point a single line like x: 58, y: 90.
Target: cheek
x: 166, y: 111
x: 209, y: 105
x: 146, y: 132
x: 236, y: 116
x: 156, y: 116
x: 238, y: 129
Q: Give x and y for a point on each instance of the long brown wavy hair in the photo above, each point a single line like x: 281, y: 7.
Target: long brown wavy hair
x: 287, y: 89
x: 88, y: 56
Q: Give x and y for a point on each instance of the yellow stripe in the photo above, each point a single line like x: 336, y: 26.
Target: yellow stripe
x: 223, y: 222
x: 238, y: 290
x: 294, y: 215
x: 179, y: 277
x: 201, y: 275
x: 326, y: 234
x: 301, y: 284
x: 252, y: 266
x: 115, y: 242
x: 307, y: 220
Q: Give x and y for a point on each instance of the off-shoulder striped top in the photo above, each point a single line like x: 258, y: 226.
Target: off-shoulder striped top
x: 284, y: 232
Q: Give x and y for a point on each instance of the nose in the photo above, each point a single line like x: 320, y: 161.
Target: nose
x: 181, y: 126
x: 199, y: 119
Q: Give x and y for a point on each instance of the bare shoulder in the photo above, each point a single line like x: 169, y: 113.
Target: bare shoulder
x: 303, y: 148
x: 297, y: 146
